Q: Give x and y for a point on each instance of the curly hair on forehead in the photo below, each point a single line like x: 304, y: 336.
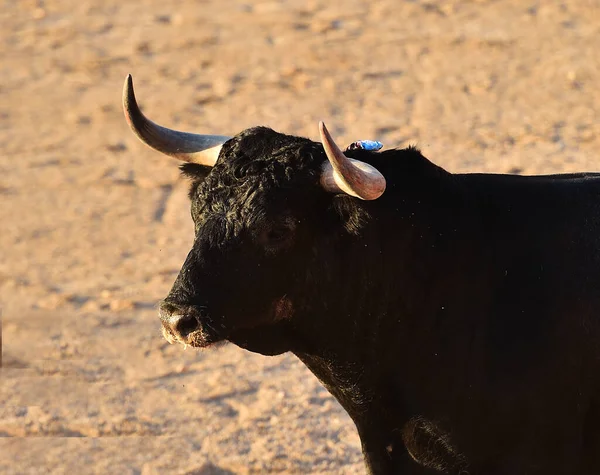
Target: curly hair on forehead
x: 253, y: 162
x: 256, y: 159
x: 270, y: 157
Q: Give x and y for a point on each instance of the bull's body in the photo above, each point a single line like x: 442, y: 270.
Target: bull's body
x: 469, y: 331
x: 456, y: 318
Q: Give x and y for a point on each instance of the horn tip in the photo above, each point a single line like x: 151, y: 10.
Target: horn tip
x: 129, y: 103
x: 324, y: 132
x: 128, y: 86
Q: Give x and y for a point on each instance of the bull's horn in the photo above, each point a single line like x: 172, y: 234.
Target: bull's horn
x: 345, y: 175
x: 202, y: 149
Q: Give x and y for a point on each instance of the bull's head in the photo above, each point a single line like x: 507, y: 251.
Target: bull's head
x: 261, y: 201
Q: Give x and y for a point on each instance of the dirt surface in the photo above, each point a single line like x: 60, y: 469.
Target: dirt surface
x: 95, y: 225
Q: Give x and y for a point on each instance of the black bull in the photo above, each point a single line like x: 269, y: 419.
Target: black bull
x: 455, y: 318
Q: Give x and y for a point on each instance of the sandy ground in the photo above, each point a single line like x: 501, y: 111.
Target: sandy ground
x: 95, y: 225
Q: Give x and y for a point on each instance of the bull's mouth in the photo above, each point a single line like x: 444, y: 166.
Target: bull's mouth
x: 195, y: 339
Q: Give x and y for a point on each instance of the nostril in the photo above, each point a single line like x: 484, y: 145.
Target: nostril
x: 185, y: 324
x: 179, y: 319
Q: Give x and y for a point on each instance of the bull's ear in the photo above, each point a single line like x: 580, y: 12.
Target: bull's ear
x: 195, y: 171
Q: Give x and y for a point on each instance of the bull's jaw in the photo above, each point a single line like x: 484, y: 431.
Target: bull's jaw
x: 268, y: 340
x: 271, y: 336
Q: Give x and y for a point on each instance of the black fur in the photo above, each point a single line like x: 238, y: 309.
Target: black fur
x: 455, y: 318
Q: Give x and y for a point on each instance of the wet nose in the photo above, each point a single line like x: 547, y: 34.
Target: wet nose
x: 178, y: 320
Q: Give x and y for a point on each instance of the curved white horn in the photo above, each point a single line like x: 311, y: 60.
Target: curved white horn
x: 346, y: 175
x: 202, y: 149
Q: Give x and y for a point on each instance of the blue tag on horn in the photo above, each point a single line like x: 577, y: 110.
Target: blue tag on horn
x: 370, y: 145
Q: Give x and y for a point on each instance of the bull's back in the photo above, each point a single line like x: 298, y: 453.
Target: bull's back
x: 556, y: 213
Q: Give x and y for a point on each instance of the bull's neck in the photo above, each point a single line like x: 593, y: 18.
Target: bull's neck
x: 382, y: 272
x: 383, y: 287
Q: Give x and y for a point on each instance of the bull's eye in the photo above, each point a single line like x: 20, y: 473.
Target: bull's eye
x: 277, y: 235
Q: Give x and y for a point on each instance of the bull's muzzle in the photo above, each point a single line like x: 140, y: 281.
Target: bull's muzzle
x: 180, y: 323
